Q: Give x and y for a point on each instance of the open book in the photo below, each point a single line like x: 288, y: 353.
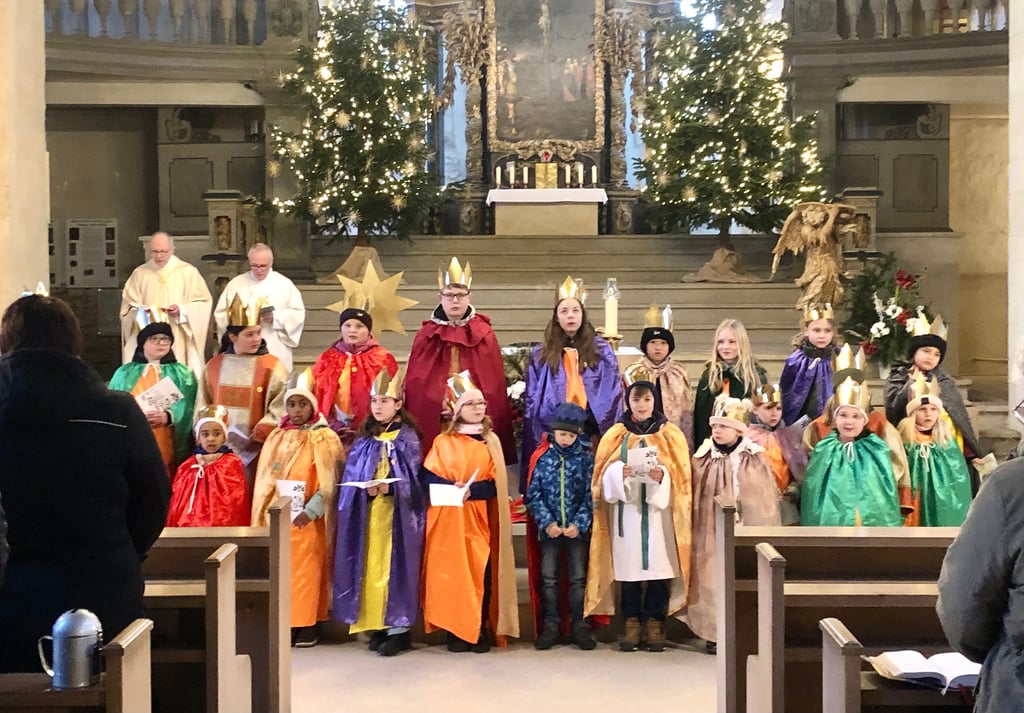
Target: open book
x: 942, y: 671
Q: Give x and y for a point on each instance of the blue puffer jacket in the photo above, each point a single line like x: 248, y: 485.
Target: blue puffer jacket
x: 559, y: 488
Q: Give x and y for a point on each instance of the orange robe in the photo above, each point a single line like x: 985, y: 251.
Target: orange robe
x: 460, y: 541
x: 250, y: 387
x: 164, y: 435
x: 309, y: 455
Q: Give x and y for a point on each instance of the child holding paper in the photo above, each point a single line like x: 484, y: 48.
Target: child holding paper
x: 300, y: 459
x: 380, y: 527
x: 469, y: 587
x: 641, y: 530
x: 561, y: 510
x: 210, y: 489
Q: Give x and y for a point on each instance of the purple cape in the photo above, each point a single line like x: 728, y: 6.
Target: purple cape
x: 544, y: 391
x: 799, y: 375
x: 406, y: 531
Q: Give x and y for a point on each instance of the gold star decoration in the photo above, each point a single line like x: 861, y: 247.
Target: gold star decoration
x: 294, y: 148
x: 343, y: 119
x: 398, y: 202
x: 774, y: 176
x: 353, y: 217
x: 378, y: 297
x: 401, y: 47
x: 712, y: 117
x: 662, y: 178
x: 274, y: 168
x: 415, y: 142
x: 690, y: 194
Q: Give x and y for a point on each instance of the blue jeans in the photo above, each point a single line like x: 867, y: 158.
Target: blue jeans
x: 577, y: 551
x: 636, y: 603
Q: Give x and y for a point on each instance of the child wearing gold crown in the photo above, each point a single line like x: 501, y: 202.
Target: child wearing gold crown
x: 380, y: 527
x: 806, y: 380
x: 925, y: 353
x: 152, y: 362
x: 782, y: 449
x: 210, y: 489
x: 300, y: 460
x: 673, y: 395
x: 728, y: 463
x: 850, y: 480
x: 469, y: 586
x: 732, y: 371
x: 572, y: 364
x: 641, y: 523
x: 247, y: 381
x: 939, y: 480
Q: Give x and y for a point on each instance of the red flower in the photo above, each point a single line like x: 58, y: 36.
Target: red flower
x: 902, y: 317
x: 905, y: 280
x: 870, y: 348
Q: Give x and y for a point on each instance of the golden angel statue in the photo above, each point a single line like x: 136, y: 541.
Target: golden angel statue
x: 820, y: 229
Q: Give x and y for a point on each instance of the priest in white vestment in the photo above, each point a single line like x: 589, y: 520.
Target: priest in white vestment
x: 179, y: 289
x: 283, y: 314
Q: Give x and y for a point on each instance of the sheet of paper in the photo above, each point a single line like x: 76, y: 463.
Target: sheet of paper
x: 296, y: 490
x: 364, y: 484
x: 642, y: 460
x: 986, y: 465
x: 161, y: 396
x: 442, y: 495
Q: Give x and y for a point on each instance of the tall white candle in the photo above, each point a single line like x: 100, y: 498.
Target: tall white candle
x: 526, y: 178
x: 568, y: 178
x: 579, y: 174
x: 497, y: 177
x: 611, y: 307
x: 593, y: 175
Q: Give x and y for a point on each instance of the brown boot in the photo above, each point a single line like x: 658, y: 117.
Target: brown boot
x: 654, y: 632
x: 631, y: 636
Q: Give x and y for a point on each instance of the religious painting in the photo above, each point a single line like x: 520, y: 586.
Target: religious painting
x: 546, y: 84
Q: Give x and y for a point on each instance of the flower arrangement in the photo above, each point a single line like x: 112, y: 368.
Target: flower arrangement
x: 884, y: 301
x: 516, y: 358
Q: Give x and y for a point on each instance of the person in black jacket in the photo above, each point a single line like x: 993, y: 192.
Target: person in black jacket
x: 85, y: 489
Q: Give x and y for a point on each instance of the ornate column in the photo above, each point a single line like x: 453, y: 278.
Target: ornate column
x: 24, y: 163
x: 1015, y: 256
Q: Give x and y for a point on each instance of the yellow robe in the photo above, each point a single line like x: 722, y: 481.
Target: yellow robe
x: 674, y: 454
x: 310, y: 455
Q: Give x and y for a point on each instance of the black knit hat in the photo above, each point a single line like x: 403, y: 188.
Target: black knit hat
x: 150, y: 330
x: 657, y: 333
x: 569, y: 417
x: 360, y: 314
x: 927, y: 340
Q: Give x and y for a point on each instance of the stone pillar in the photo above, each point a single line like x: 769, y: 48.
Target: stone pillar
x: 24, y: 163
x: 1015, y: 251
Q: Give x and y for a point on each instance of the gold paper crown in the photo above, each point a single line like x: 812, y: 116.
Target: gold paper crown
x: 846, y: 359
x: 663, y: 319
x: 813, y: 312
x: 455, y: 274
x: 853, y: 393
x: 924, y: 391
x: 635, y: 373
x: 458, y: 384
x: 241, y: 314
x: 301, y: 380
x: 919, y: 326
x: 572, y: 288
x: 766, y: 394
x: 387, y: 385
x: 732, y: 409
x: 214, y: 411
x: 145, y: 316
x: 40, y: 290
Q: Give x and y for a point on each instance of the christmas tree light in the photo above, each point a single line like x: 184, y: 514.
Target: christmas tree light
x: 360, y: 155
x: 721, y: 144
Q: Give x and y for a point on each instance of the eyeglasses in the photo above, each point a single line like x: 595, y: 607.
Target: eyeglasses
x: 454, y: 296
x: 159, y: 252
x: 474, y: 404
x: 160, y: 339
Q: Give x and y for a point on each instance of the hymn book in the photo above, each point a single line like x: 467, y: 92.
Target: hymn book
x: 941, y: 671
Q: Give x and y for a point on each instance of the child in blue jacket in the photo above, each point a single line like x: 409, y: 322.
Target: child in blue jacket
x: 559, y: 501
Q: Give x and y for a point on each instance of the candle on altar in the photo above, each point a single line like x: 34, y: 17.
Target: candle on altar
x: 568, y: 178
x: 579, y: 174
x: 497, y: 177
x: 611, y: 307
x: 526, y: 179
x: 593, y: 175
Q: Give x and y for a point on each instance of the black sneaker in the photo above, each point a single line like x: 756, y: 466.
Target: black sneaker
x: 396, y: 643
x: 711, y: 647
x: 582, y: 637
x: 306, y: 637
x: 483, y: 644
x: 377, y: 638
x: 548, y: 636
x: 456, y: 645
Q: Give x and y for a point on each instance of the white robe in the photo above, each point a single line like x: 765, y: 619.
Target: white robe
x: 289, y: 312
x: 177, y: 283
x: 627, y: 549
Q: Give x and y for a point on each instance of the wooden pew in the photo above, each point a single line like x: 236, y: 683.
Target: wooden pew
x: 124, y: 687
x: 228, y: 675
x: 859, y: 556
x: 176, y: 583
x: 847, y: 688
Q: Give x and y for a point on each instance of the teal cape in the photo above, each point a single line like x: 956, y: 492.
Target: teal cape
x: 125, y: 378
x: 847, y: 480
x: 940, y: 483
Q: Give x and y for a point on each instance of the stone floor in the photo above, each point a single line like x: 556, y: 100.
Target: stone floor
x: 347, y: 677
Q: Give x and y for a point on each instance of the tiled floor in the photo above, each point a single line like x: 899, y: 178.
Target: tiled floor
x: 347, y: 677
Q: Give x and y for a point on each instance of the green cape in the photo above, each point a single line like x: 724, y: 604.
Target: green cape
x: 125, y: 378
x: 940, y: 483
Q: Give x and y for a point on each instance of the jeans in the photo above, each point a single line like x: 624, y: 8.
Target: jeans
x: 637, y: 604
x: 577, y: 551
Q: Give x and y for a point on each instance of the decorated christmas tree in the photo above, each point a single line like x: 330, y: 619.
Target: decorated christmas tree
x: 360, y: 156
x: 722, y: 146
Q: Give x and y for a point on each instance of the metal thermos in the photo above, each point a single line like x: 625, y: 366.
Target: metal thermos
x: 77, y: 639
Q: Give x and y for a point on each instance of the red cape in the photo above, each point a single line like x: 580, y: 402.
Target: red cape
x: 430, y: 365
x: 367, y: 365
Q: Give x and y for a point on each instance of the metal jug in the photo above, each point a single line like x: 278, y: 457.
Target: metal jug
x: 77, y: 639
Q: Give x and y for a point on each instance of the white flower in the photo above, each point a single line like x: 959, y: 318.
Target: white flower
x: 886, y: 331
x: 893, y: 310
x: 876, y: 329
x: 516, y: 390
x: 878, y: 303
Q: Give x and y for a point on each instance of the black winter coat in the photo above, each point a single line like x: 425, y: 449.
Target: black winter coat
x: 85, y: 492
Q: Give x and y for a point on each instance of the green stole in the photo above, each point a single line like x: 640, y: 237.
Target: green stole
x: 645, y: 525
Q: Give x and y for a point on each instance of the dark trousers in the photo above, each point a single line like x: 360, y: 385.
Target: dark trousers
x: 635, y: 603
x: 577, y: 551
